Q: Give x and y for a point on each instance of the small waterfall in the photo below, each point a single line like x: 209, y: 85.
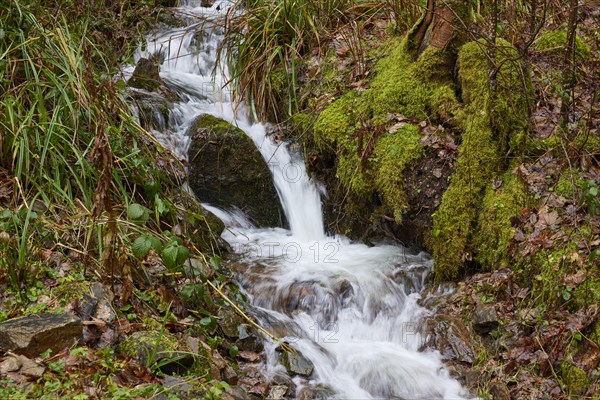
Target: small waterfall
x: 350, y: 309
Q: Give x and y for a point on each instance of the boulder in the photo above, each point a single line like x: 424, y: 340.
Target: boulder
x: 227, y: 170
x: 35, y: 334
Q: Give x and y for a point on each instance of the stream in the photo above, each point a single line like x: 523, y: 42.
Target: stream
x: 352, y: 310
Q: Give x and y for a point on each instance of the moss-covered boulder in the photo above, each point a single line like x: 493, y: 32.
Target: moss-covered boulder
x: 161, y: 349
x: 227, y: 170
x: 554, y: 42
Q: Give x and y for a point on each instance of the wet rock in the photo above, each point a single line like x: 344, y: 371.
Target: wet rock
x: 277, y: 392
x: 35, y: 334
x: 451, y: 338
x: 252, y: 343
x: 145, y: 76
x: 485, y: 319
x: 158, y: 348
x: 318, y: 392
x: 199, y: 225
x: 229, y: 321
x: 413, y: 279
x: 296, y: 363
x: 227, y: 170
x: 153, y: 110
x: 207, y: 3
x: 286, y: 381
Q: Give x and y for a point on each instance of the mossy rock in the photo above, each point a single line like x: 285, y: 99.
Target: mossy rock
x: 145, y: 76
x: 226, y: 170
x: 160, y: 349
x: 400, y: 88
x: 554, y: 42
x: 153, y: 110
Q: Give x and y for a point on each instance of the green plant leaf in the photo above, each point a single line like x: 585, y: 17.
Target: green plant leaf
x: 141, y: 246
x: 137, y: 213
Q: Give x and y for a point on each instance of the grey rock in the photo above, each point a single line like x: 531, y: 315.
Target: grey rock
x: 21, y: 365
x: 485, y: 319
x: 35, y: 334
x: 229, y: 322
x: 296, y: 363
x: 318, y: 392
x: 277, y: 392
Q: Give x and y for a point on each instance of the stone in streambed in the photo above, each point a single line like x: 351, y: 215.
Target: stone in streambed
x: 227, y: 170
x: 35, y: 334
x: 296, y: 363
x: 145, y: 75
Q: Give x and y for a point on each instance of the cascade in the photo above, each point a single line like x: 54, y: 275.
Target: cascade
x: 352, y: 310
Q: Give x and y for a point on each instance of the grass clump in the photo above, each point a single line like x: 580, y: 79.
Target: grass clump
x: 269, y: 38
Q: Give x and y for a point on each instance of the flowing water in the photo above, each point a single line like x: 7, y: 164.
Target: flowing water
x: 350, y: 309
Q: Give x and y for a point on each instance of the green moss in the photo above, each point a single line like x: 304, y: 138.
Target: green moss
x: 216, y: 124
x: 393, y: 153
x: 554, y: 42
x: 142, y: 343
x: 352, y: 173
x: 410, y: 88
x: 508, y: 108
x: 564, y: 186
x: 487, y: 123
x: 494, y: 229
x: 587, y: 293
x: 574, y: 378
x: 340, y: 118
x: 72, y: 290
x: 455, y: 219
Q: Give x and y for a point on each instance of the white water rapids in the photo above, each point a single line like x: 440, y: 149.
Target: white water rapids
x: 350, y: 309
